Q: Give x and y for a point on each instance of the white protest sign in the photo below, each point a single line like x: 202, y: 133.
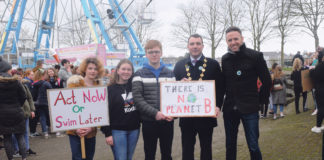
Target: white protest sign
x: 74, y: 108
x: 188, y: 98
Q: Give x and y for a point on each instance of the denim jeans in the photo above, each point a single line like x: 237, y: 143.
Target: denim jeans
x: 275, y: 106
x: 75, y: 144
x: 251, y: 128
x: 124, y: 143
x: 14, y: 139
x: 44, y: 118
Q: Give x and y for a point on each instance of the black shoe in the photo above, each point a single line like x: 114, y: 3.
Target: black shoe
x: 297, y: 112
x: 305, y: 109
x: 30, y: 152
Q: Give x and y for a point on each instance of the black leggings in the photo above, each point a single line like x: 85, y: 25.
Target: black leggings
x: 8, y: 144
x: 297, y: 95
x: 264, y: 109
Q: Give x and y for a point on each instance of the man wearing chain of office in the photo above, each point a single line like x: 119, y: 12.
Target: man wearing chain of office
x: 198, y: 67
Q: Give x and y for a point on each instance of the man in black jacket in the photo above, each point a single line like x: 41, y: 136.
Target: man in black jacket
x: 198, y: 67
x: 242, y: 67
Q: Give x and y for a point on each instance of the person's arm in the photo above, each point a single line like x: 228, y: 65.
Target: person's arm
x: 21, y: 94
x: 264, y: 75
x: 138, y: 95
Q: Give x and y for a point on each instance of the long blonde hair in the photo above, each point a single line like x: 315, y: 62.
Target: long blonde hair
x: 297, y: 64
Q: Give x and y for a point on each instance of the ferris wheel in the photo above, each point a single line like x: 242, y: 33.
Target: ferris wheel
x: 43, y: 24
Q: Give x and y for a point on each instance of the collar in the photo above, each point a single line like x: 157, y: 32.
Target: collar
x: 191, y: 58
x: 242, y: 48
x: 200, y: 58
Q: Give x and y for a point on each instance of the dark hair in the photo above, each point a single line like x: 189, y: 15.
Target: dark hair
x: 196, y: 35
x: 115, y: 76
x: 274, y: 65
x: 64, y: 61
x: 58, y: 67
x: 233, y: 29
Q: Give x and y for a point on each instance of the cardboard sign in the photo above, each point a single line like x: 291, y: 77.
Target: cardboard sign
x: 74, y: 108
x: 306, y: 81
x: 188, y: 98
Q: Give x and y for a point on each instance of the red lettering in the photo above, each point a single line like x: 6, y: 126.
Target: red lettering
x: 59, y: 97
x: 58, y: 121
x: 168, y: 109
x: 179, y: 109
x: 102, y: 97
x: 186, y: 109
x: 181, y: 99
x: 207, y: 105
x: 86, y: 97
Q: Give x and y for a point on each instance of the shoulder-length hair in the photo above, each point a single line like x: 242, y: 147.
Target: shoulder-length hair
x: 95, y: 61
x: 55, y: 73
x: 297, y: 64
x: 115, y: 77
x: 39, y: 74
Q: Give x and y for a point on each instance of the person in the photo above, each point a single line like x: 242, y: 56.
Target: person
x: 12, y: 120
x: 91, y: 70
x: 65, y: 71
x: 298, y: 89
x: 273, y: 67
x: 29, y: 112
x: 53, y: 78
x: 123, y: 132
x: 242, y: 67
x: 39, y: 65
x: 106, y: 77
x: 298, y: 55
x: 146, y: 92
x: 40, y: 86
x: 198, y: 67
x: 278, y: 91
x: 318, y: 79
x: 314, y: 63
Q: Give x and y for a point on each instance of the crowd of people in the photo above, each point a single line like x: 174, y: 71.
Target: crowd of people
x: 244, y: 87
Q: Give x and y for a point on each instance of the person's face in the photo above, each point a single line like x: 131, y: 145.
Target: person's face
x: 50, y: 73
x: 195, y: 46
x: 125, y: 72
x: 31, y: 75
x: 154, y: 55
x: 234, y: 41
x: 91, y: 71
x: 67, y: 65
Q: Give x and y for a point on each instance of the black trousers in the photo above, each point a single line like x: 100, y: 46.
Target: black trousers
x: 188, y: 139
x: 152, y: 131
x: 297, y: 96
x: 33, y: 121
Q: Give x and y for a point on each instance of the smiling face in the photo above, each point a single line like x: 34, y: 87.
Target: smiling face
x: 234, y: 41
x: 124, y: 72
x: 195, y: 46
x: 91, y: 71
x: 50, y: 73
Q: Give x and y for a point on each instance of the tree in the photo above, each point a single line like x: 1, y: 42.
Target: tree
x: 186, y: 24
x: 214, y: 23
x: 312, y: 13
x: 285, y: 22
x: 261, y: 18
x: 234, y: 12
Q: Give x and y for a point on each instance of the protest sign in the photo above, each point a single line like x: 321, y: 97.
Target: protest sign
x: 74, y: 108
x: 188, y: 98
x: 306, y: 81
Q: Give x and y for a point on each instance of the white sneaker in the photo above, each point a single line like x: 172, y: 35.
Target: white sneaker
x: 274, y: 116
x: 282, y: 115
x: 316, y: 129
x: 314, y: 113
x: 46, y: 135
x: 58, y: 134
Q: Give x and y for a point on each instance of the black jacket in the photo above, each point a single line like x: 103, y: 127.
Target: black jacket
x: 12, y: 98
x: 213, y: 72
x: 296, y: 77
x: 317, y: 76
x: 41, y: 88
x: 122, y: 111
x: 241, y: 71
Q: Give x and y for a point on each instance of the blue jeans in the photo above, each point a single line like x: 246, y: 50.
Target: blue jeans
x: 14, y: 139
x: 75, y: 144
x: 251, y: 129
x: 124, y: 143
x: 44, y: 118
x: 275, y: 106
